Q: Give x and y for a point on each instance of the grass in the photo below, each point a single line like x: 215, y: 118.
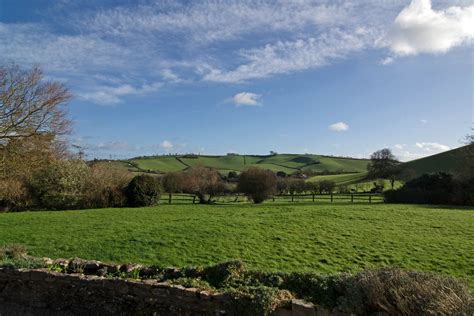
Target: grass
x: 273, y: 237
x: 288, y: 163
x: 452, y: 161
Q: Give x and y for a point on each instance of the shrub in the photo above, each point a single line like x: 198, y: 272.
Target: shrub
x: 173, y: 182
x: 428, y: 189
x: 312, y: 187
x: 257, y: 300
x: 60, y: 185
x: 327, y: 186
x: 105, y: 187
x: 224, y: 274
x: 296, y: 186
x: 257, y: 184
x: 12, y: 252
x: 204, y: 182
x: 14, y: 195
x: 143, y: 190
x: 281, y: 174
x: 282, y: 186
x: 232, y: 175
x: 399, y: 292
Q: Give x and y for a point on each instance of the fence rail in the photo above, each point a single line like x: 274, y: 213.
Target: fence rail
x: 182, y: 198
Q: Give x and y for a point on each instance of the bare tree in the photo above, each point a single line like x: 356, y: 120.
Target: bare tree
x: 30, y: 105
x: 203, y: 182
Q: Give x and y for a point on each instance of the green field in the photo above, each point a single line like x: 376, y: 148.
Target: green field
x: 452, y: 161
x: 288, y: 163
x: 323, y: 237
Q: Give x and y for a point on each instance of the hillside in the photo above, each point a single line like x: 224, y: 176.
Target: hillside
x: 288, y: 163
x: 454, y: 161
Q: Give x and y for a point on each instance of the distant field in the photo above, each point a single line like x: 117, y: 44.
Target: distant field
x: 288, y: 163
x: 300, y: 237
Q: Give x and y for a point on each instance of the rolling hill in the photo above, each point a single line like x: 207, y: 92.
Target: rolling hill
x: 455, y: 161
x: 344, y: 171
x: 288, y: 163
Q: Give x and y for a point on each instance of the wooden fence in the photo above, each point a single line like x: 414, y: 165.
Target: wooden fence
x: 182, y: 198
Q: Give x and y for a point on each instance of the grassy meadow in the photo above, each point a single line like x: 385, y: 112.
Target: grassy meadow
x: 284, y: 237
x: 288, y: 163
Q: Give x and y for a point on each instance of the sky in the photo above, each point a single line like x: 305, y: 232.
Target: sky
x: 328, y: 77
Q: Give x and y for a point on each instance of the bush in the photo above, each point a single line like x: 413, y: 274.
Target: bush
x: 282, y: 186
x: 224, y: 274
x: 399, y: 292
x: 296, y: 186
x: 12, y: 252
x: 281, y: 174
x: 436, y: 188
x: 14, y: 195
x: 327, y: 186
x: 106, y: 187
x: 60, y: 185
x: 312, y: 187
x: 173, y: 182
x: 257, y: 184
x: 143, y: 190
x: 204, y: 182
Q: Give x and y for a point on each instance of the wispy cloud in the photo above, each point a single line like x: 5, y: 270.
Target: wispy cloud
x: 180, y: 42
x: 246, y: 99
x: 112, y: 95
x: 421, y: 29
x: 339, y: 127
x: 204, y: 22
x: 418, y: 150
x: 290, y: 56
x: 432, y: 147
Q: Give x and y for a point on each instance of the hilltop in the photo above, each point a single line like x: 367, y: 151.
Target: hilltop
x: 342, y: 170
x: 455, y: 161
x: 287, y: 163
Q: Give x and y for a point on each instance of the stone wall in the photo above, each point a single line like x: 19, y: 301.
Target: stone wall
x: 44, y: 292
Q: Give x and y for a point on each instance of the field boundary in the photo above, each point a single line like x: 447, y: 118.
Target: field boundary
x: 172, y: 198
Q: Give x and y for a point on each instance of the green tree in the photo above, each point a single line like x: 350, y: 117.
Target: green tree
x: 383, y: 164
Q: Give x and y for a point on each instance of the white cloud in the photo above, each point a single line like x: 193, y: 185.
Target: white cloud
x: 290, y: 56
x: 167, y: 145
x: 111, y: 95
x: 204, y: 22
x: 406, y: 152
x: 432, y: 147
x: 246, y: 99
x: 420, y: 29
x: 222, y: 41
x: 111, y: 146
x: 339, y: 127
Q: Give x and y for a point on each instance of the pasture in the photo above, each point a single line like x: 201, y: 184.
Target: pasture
x: 288, y: 163
x: 272, y: 237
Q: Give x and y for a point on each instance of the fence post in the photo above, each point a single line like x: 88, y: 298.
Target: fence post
x: 313, y: 197
x: 352, y: 198
x: 370, y: 198
x: 194, y: 199
x: 169, y: 199
x: 292, y: 198
x: 273, y: 198
x: 331, y: 198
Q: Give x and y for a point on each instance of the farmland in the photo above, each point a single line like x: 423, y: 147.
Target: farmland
x: 288, y: 163
x: 285, y: 237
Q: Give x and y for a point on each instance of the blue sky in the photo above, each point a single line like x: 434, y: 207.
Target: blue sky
x: 324, y: 76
